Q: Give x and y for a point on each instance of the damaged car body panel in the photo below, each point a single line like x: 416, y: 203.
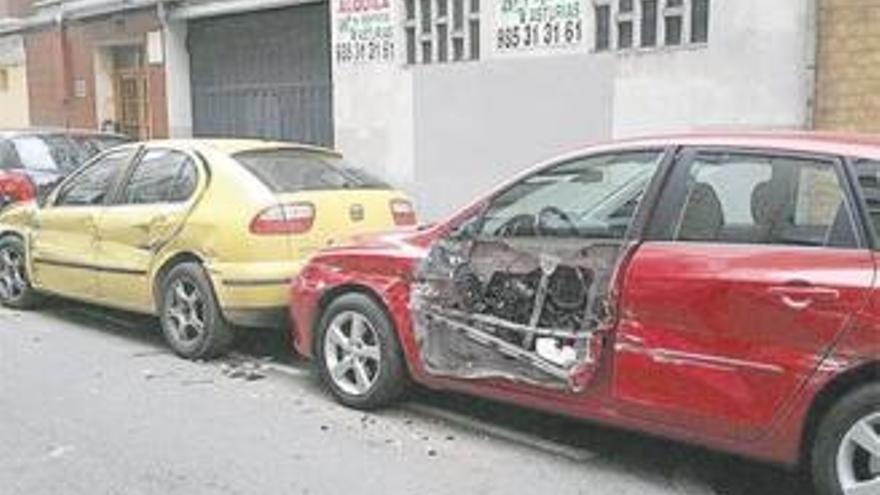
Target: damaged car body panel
x: 521, y: 291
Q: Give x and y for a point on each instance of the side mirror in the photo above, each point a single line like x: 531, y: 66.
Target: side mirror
x: 5, y: 201
x: 467, y: 230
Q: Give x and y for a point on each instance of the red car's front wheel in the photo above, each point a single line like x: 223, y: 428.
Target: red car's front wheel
x: 359, y: 357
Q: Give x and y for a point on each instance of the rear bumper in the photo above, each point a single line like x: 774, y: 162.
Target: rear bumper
x: 254, y: 294
x: 258, y: 317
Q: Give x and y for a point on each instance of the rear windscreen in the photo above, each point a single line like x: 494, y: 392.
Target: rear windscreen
x: 285, y: 171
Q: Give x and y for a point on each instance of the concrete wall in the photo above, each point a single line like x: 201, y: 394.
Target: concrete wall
x: 848, y: 83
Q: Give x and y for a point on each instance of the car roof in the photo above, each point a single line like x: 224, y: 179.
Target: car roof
x: 853, y: 145
x: 44, y: 131
x: 231, y: 146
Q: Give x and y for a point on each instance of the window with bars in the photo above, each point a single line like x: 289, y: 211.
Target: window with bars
x: 625, y: 24
x: 441, y: 31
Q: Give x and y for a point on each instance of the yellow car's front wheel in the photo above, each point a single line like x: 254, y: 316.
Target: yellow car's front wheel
x: 15, y: 288
x: 190, y: 316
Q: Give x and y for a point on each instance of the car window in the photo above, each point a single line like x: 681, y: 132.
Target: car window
x: 91, y: 186
x: 591, y: 197
x: 868, y: 172
x: 289, y: 170
x: 758, y: 199
x: 161, y: 176
x: 34, y: 153
x: 8, y: 156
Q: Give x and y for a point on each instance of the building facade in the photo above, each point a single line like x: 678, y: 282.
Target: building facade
x: 447, y: 98
x: 101, y: 70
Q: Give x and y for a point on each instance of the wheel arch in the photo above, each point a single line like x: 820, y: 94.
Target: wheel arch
x: 167, y: 265
x: 335, y: 293
x: 830, y: 394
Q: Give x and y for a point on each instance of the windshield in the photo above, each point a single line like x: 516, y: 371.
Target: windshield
x: 290, y: 170
x: 592, y: 197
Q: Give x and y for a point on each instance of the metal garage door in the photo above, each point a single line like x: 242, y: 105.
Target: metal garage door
x: 264, y: 74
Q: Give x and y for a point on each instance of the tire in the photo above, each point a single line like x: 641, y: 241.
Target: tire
x: 836, y: 464
x: 190, y: 316
x: 15, y: 288
x: 386, y: 377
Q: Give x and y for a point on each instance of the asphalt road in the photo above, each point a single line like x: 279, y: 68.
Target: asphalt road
x: 92, y: 403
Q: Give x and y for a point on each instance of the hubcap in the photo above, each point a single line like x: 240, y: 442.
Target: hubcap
x: 12, y: 281
x: 351, y: 353
x: 185, y: 311
x: 858, y: 460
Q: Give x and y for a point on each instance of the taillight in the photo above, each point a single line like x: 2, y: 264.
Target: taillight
x: 17, y: 186
x: 291, y: 218
x: 403, y: 212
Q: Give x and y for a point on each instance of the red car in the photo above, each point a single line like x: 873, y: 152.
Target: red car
x: 715, y: 289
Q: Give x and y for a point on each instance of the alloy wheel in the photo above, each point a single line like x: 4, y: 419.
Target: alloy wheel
x: 185, y: 310
x: 858, y: 458
x: 12, y: 280
x: 351, y: 353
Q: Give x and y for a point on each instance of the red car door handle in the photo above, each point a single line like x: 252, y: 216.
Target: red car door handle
x: 802, y: 297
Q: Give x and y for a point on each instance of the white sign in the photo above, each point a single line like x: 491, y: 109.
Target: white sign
x: 364, y: 31
x: 539, y: 24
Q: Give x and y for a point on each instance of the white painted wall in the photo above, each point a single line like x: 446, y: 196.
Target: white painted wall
x: 477, y: 124
x: 14, y: 102
x: 754, y: 73
x: 446, y: 133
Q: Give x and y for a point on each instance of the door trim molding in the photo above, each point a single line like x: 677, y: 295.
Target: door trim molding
x: 86, y: 266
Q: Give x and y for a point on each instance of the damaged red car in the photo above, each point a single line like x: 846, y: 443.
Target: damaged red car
x: 714, y: 289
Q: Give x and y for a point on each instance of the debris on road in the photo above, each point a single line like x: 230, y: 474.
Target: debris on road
x: 245, y: 370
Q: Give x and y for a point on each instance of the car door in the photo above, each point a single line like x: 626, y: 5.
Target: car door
x: 517, y: 293
x: 64, y: 238
x: 152, y: 204
x: 754, y: 265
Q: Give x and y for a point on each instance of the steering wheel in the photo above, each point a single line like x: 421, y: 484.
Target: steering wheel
x: 518, y: 226
x: 546, y: 215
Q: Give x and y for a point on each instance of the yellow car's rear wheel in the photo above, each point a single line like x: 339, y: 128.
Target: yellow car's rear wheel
x: 191, y: 319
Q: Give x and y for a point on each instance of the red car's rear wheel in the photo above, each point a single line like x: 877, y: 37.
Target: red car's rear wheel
x: 846, y: 454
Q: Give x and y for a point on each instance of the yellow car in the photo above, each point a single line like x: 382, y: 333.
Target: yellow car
x: 205, y: 234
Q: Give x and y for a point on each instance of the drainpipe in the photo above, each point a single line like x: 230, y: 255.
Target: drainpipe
x: 811, y: 55
x: 62, y: 66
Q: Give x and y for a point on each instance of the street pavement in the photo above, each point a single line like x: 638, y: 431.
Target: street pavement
x: 92, y: 403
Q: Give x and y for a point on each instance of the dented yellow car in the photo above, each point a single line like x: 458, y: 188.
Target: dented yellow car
x: 206, y: 234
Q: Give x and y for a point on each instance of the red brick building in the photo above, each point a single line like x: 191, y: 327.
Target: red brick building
x: 102, y: 71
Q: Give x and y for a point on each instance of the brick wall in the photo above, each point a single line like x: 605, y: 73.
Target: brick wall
x: 848, y: 65
x: 14, y: 8
x: 58, y: 59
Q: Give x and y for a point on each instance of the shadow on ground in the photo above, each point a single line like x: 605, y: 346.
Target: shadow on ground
x: 639, y: 454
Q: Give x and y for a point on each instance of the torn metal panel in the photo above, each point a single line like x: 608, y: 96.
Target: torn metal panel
x: 523, y: 309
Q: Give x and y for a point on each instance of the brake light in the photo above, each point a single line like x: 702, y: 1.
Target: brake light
x: 291, y: 218
x: 17, y: 186
x: 403, y: 212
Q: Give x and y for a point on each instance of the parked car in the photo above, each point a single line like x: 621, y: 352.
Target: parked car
x: 715, y: 289
x: 204, y: 233
x: 32, y: 161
